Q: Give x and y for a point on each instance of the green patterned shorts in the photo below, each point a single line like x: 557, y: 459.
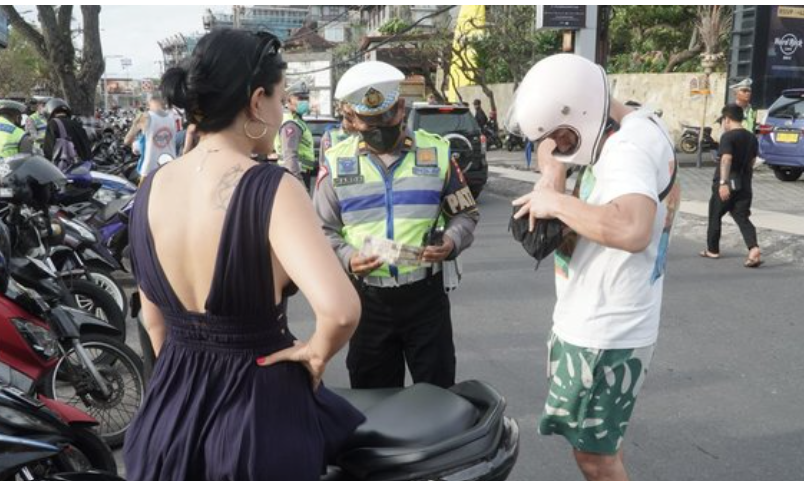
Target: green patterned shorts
x: 592, y: 394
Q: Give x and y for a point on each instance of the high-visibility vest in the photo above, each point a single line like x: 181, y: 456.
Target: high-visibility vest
x: 402, y: 205
x: 306, y: 146
x: 41, y: 127
x: 10, y: 138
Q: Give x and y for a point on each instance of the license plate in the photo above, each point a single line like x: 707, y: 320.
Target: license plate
x: 787, y: 137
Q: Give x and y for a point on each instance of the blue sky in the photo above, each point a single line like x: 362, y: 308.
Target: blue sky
x: 133, y: 32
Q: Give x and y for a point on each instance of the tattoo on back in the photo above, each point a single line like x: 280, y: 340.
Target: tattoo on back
x: 226, y: 187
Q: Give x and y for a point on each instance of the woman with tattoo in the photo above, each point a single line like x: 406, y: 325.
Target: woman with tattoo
x: 215, y: 242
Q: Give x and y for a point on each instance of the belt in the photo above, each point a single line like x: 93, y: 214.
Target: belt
x: 402, y: 279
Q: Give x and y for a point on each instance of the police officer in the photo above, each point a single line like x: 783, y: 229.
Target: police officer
x: 13, y: 138
x: 36, y: 124
x: 742, y: 97
x: 332, y: 137
x: 388, y: 182
x: 294, y: 142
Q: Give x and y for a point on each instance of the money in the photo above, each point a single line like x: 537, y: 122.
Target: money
x: 391, y: 253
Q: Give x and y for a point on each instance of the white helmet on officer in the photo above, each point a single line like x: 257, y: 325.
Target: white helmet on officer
x: 371, y: 88
x: 564, y: 91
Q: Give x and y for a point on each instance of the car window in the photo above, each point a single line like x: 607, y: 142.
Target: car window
x: 787, y: 108
x: 443, y: 123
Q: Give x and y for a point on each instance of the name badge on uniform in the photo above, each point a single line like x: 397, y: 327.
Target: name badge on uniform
x: 348, y: 172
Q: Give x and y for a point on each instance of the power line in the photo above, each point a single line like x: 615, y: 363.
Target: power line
x: 388, y: 40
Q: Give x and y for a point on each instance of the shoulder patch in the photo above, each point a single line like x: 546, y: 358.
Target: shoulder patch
x: 426, y: 157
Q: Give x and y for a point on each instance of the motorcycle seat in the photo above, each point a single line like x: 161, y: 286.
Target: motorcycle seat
x: 420, y: 415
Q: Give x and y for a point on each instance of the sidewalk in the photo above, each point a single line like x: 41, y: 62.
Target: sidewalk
x: 777, y: 206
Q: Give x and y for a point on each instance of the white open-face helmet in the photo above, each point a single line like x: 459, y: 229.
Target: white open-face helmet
x: 564, y: 91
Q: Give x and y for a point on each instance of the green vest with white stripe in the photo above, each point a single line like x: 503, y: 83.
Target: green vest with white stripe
x: 41, y: 127
x: 10, y: 138
x: 403, y: 204
x: 306, y: 145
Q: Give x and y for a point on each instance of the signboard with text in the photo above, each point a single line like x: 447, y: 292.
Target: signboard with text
x: 566, y: 17
x: 786, y: 42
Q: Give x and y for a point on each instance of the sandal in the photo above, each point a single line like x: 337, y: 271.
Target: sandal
x: 709, y: 255
x: 752, y: 262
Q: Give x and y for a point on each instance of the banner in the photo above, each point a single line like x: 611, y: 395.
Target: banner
x: 786, y: 42
x: 471, y: 21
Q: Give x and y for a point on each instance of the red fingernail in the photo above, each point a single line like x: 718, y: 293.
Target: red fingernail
x: 262, y: 361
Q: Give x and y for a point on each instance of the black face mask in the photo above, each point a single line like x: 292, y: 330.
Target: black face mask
x: 382, y: 139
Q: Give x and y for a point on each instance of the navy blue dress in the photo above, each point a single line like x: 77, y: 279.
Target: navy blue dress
x: 210, y: 412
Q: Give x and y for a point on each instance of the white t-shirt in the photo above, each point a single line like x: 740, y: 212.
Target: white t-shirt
x: 609, y: 298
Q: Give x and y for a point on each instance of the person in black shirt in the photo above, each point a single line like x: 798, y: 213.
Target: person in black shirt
x: 480, y: 116
x: 59, y: 109
x: 731, y: 190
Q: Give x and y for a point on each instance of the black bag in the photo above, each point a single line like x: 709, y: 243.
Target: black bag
x: 735, y: 181
x: 544, y: 239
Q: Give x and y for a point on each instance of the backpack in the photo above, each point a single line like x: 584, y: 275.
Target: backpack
x: 64, y: 153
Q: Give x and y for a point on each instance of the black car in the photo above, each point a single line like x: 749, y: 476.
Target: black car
x: 457, y: 125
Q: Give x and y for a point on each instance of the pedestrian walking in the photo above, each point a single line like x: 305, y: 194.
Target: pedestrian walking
x: 732, y: 192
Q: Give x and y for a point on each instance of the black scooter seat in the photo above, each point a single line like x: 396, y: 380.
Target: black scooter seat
x: 420, y: 415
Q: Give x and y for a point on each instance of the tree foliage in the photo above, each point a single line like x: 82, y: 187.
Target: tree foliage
x: 23, y: 70
x: 77, y: 70
x: 664, y: 38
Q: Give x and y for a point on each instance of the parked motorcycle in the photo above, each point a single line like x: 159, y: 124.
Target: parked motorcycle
x: 425, y: 432
x: 40, y: 439
x: 491, y: 132
x: 67, y: 355
x: 514, y: 141
x: 689, y: 139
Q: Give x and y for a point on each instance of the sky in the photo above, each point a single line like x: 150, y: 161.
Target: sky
x: 133, y: 32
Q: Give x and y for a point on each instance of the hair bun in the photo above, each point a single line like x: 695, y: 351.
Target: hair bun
x: 174, y: 87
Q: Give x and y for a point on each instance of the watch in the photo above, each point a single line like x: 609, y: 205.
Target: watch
x: 723, y: 182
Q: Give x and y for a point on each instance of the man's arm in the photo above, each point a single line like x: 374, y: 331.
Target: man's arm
x: 725, y: 166
x: 461, y: 210
x: 139, y: 125
x: 290, y: 136
x: 328, y: 209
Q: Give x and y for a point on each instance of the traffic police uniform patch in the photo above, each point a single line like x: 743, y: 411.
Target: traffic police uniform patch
x: 348, y: 171
x: 427, y: 162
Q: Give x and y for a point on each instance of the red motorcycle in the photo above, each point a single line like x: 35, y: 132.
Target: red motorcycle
x: 64, y: 354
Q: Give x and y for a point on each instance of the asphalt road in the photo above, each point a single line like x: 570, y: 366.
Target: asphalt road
x: 723, y: 396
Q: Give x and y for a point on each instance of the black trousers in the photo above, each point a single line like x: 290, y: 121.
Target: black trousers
x: 409, y: 324
x: 739, y: 206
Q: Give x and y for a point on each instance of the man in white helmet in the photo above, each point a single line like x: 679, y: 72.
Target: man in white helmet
x: 389, y: 183
x: 610, y: 270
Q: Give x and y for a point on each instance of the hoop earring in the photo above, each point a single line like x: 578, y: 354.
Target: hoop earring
x: 255, y: 137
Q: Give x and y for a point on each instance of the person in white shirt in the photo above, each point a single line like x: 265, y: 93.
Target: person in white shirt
x: 610, y: 269
x: 159, y: 126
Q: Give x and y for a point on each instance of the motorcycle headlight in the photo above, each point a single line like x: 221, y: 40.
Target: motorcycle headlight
x: 41, y: 340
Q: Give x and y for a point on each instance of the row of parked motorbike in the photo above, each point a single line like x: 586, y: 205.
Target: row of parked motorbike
x: 70, y: 385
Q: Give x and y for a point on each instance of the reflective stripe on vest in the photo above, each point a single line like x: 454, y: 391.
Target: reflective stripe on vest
x: 10, y: 138
x: 402, y: 205
x: 306, y: 146
x: 41, y: 126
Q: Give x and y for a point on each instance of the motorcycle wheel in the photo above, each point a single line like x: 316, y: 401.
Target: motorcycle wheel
x: 106, y: 281
x: 95, y: 300
x: 688, y: 145
x: 509, y: 145
x: 71, y: 382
